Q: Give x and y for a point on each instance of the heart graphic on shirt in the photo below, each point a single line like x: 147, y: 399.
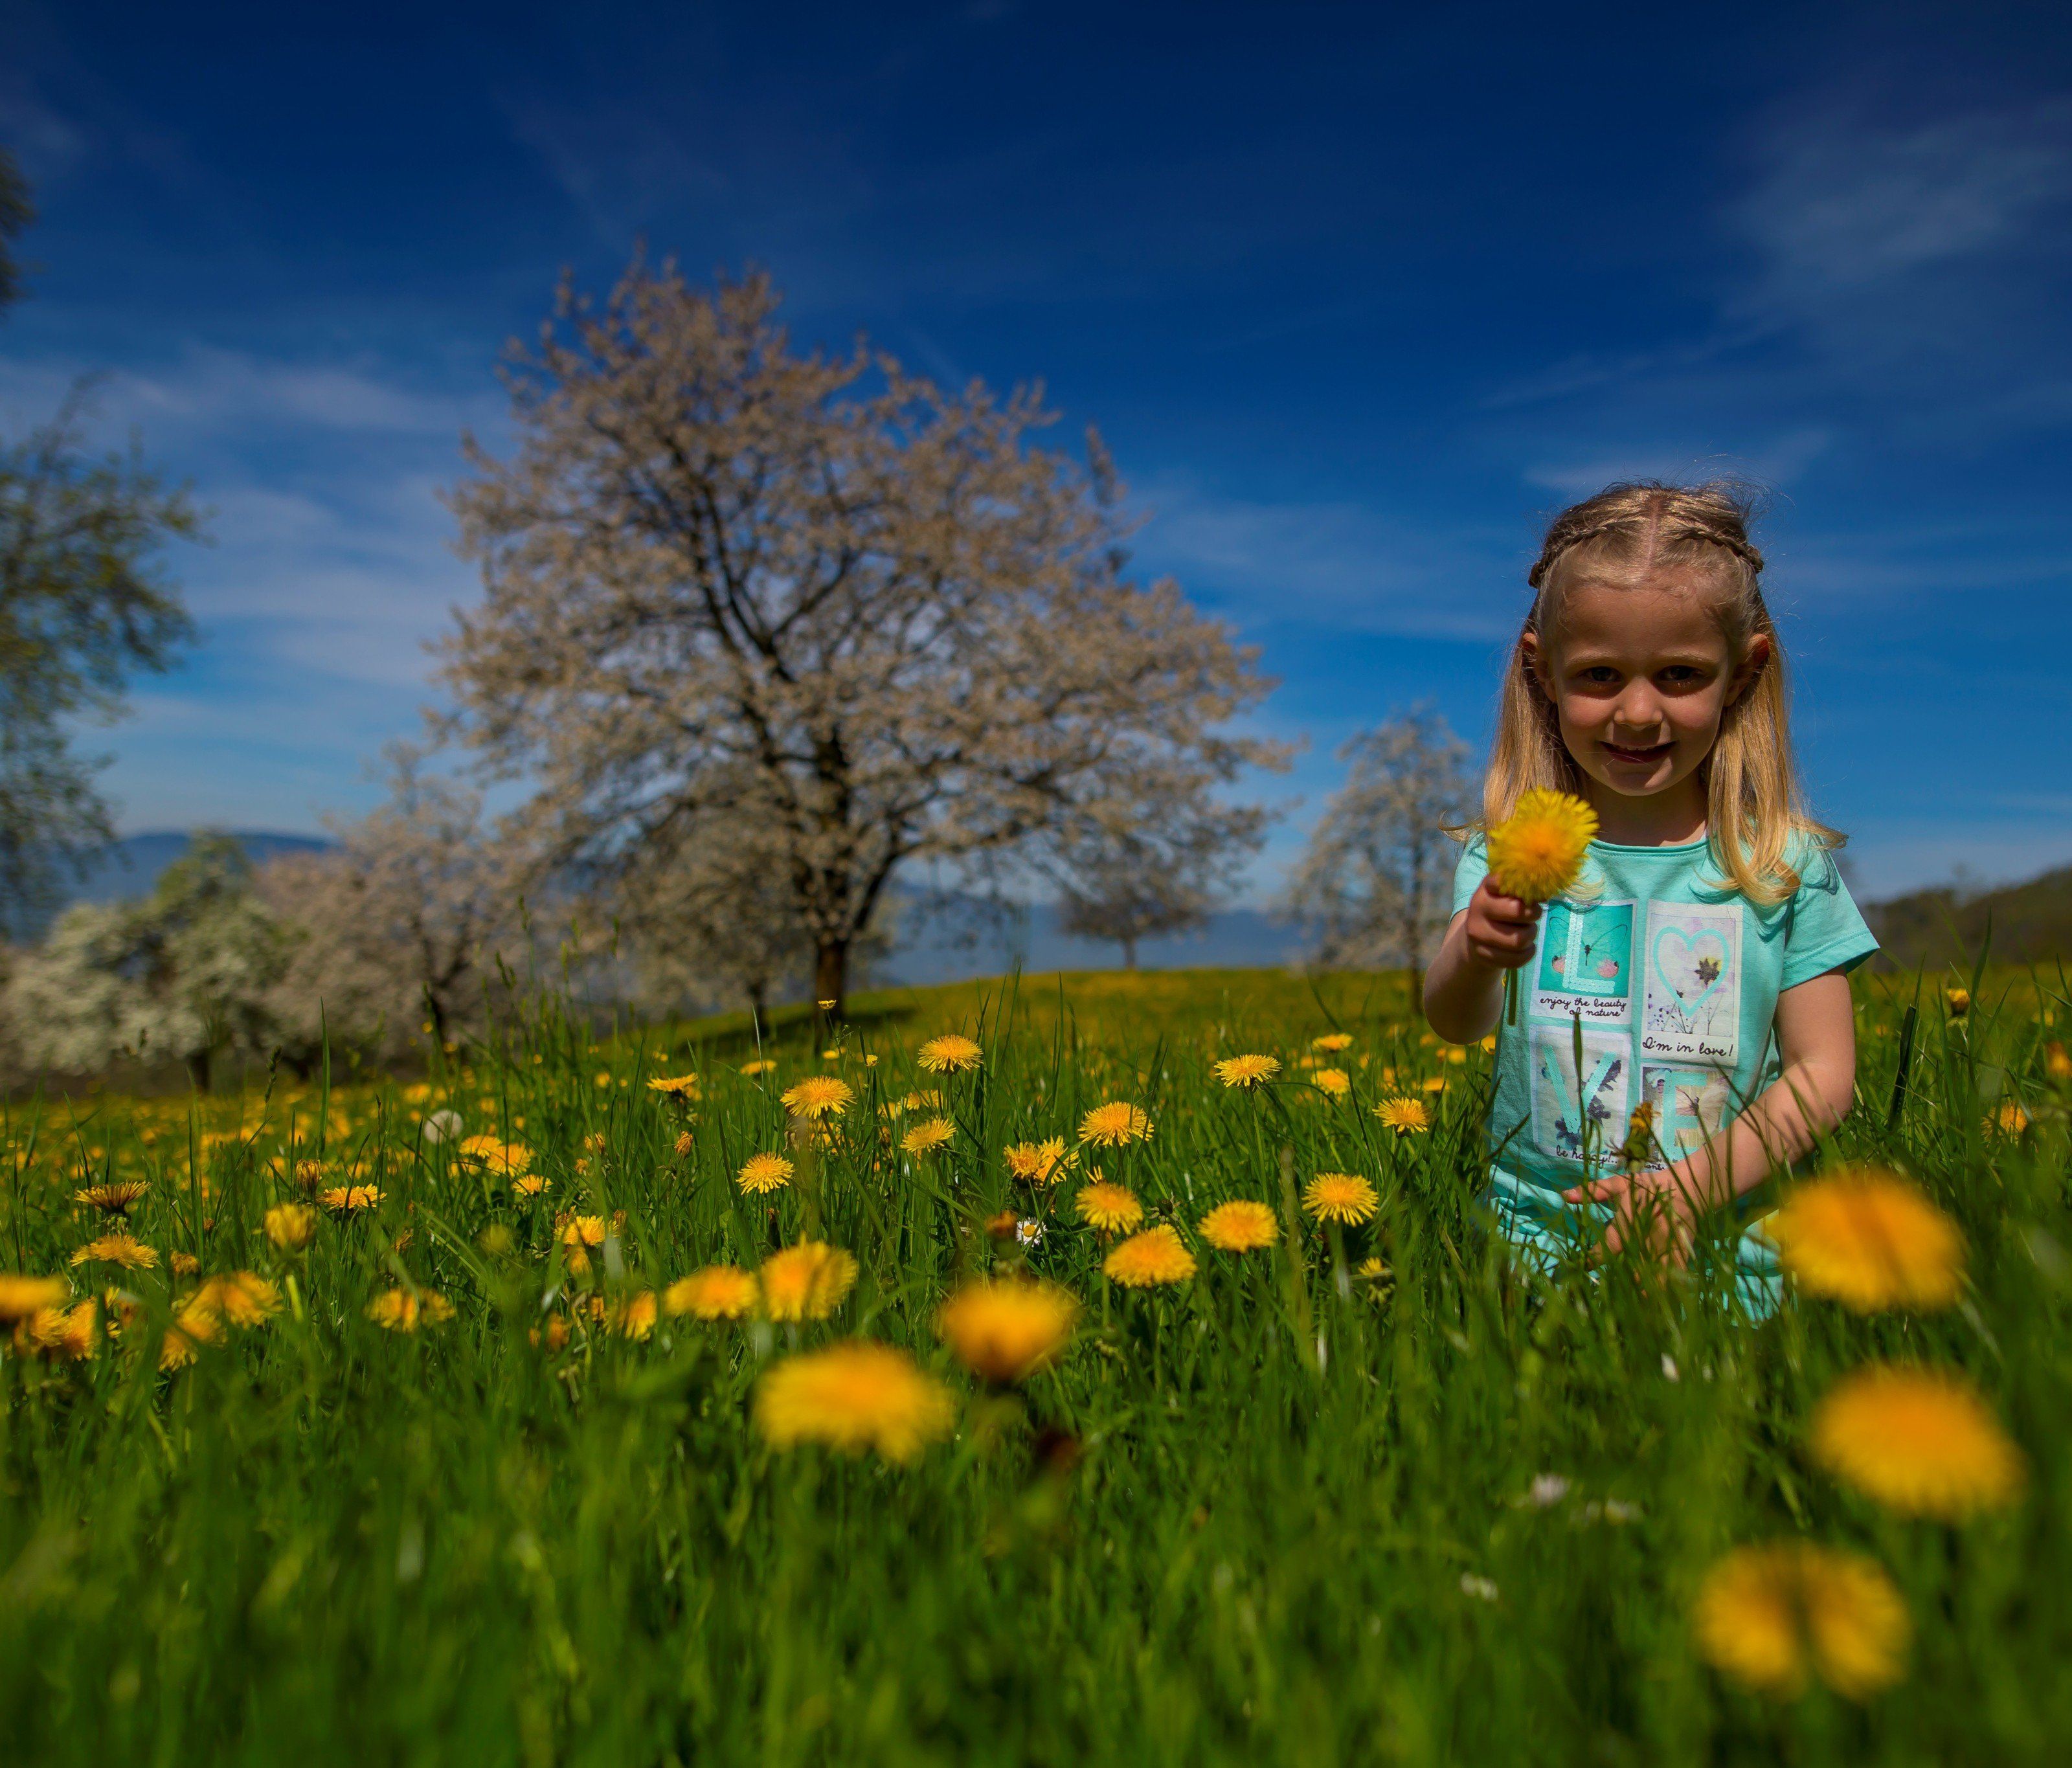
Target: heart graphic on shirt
x: 1691, y: 950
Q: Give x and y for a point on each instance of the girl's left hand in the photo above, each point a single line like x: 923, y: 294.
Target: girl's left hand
x: 1654, y: 1212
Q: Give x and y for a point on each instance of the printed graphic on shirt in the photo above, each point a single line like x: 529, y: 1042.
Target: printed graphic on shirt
x: 1568, y: 1109
x: 1684, y: 1106
x: 1585, y: 967
x: 1690, y: 1002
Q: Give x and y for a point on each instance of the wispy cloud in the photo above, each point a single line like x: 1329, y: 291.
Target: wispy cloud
x: 1338, y: 563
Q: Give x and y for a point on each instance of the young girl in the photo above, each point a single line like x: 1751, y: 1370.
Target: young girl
x: 1701, y: 962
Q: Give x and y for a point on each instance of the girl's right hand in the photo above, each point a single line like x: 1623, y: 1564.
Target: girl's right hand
x: 1500, y: 929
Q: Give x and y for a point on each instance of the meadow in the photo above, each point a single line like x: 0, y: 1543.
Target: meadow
x: 480, y: 1417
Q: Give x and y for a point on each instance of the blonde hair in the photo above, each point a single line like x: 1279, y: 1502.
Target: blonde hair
x: 1625, y: 533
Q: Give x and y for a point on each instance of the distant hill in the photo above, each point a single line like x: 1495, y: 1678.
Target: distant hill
x: 1241, y: 939
x: 2029, y: 922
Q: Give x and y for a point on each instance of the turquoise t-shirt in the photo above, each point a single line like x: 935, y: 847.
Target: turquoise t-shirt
x: 1673, y: 980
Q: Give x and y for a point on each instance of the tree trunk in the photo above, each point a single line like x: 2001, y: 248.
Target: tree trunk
x: 1130, y: 954
x: 831, y: 977
x: 199, y: 1072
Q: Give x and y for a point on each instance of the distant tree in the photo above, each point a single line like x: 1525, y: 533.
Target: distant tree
x: 16, y: 213
x: 1133, y: 878
x: 401, y: 923
x: 82, y: 607
x: 725, y: 582
x: 183, y: 976
x: 1372, y: 890
x: 711, y: 922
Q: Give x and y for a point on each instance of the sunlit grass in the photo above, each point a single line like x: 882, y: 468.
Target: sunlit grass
x: 1358, y: 1491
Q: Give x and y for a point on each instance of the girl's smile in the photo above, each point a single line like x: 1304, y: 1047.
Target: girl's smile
x: 1639, y: 676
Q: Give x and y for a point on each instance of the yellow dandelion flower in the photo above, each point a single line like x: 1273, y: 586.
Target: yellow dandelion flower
x: 242, y: 1297
x: 115, y: 1197
x: 1147, y: 1259
x: 949, y: 1054
x: 1405, y: 1115
x: 1869, y: 1240
x: 23, y: 1296
x: 719, y: 1292
x: 347, y: 1199
x: 1240, y: 1226
x: 852, y: 1397
x: 492, y: 1153
x: 1036, y: 1163
x: 675, y: 1086
x: 761, y: 1173
x: 125, y: 1250
x: 1113, y: 1208
x: 1958, y: 1001
x: 926, y: 1136
x: 534, y: 1184
x: 580, y: 1230
x: 632, y: 1317
x: 1340, y: 1197
x: 1917, y: 1441
x: 818, y: 1095
x: 291, y: 1227
x: 808, y: 1281
x: 1005, y: 1331
x: 2057, y: 1061
x: 183, y: 1264
x: 1115, y: 1125
x: 404, y: 1310
x: 762, y: 1065
x: 1535, y: 853
x: 930, y: 1101
x: 1767, y: 1615
x: 1332, y: 1082
x: 67, y: 1334
x: 2010, y: 1119
x: 192, y: 1328
x: 1332, y: 1041
x: 1433, y: 1083
x: 1247, y: 1070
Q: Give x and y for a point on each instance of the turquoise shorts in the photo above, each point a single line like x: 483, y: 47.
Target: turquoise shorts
x: 1548, y: 1232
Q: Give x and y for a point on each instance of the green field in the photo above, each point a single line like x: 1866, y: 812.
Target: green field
x: 1288, y: 1510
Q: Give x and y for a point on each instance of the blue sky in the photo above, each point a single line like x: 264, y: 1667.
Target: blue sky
x: 1358, y: 295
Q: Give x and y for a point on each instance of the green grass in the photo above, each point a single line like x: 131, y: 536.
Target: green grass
x: 322, y: 1542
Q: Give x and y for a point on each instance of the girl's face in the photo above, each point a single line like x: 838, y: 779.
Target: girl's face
x: 1640, y: 678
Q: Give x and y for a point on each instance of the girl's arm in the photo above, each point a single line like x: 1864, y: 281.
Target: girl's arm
x: 1816, y: 1084
x: 1464, y: 988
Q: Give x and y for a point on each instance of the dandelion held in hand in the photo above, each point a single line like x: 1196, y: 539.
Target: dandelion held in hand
x: 1535, y: 854
x: 1770, y: 1616
x: 1919, y: 1442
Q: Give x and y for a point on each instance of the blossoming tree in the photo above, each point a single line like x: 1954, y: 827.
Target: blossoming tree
x: 729, y: 584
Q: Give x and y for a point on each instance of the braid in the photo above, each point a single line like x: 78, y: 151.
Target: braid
x: 1652, y: 518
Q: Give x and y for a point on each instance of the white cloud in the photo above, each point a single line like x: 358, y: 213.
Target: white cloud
x: 1843, y: 203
